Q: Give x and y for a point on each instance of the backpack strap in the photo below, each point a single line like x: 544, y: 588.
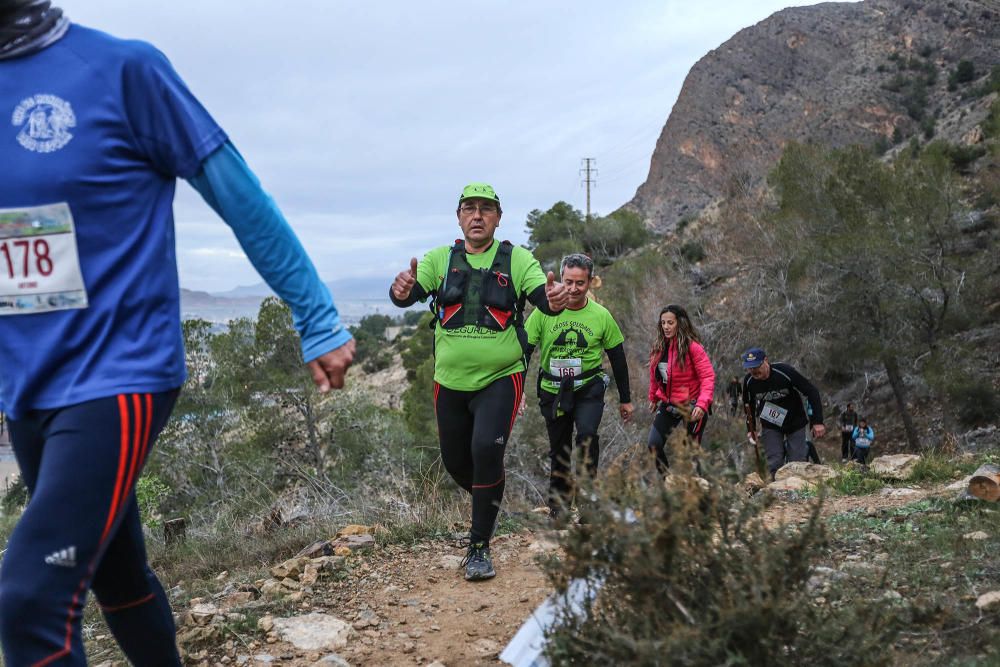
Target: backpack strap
x: 432, y: 305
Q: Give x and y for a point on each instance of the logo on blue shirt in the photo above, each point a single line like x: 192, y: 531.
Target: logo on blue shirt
x: 45, y: 121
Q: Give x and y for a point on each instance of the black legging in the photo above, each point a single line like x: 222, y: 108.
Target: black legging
x: 846, y: 448
x: 473, y: 427
x: 665, y: 421
x: 588, y: 408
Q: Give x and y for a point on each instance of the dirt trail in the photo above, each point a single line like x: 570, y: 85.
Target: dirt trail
x: 411, y: 606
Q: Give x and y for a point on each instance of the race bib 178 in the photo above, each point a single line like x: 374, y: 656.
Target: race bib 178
x: 39, y: 263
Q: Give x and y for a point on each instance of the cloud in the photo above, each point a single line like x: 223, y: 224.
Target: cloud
x: 364, y: 120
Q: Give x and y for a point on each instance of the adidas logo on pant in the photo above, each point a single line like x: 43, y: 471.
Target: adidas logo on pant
x: 63, y: 557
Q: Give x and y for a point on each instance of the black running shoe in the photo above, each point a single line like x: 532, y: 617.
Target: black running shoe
x: 477, y: 563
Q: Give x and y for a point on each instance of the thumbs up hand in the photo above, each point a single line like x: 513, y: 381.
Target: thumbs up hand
x: 405, y: 281
x: 555, y: 293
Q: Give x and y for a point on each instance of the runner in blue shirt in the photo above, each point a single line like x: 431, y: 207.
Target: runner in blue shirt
x: 94, y: 132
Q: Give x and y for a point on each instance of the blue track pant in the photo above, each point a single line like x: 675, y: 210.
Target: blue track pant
x: 81, y: 531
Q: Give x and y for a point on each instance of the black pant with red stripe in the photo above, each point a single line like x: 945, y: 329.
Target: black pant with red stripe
x: 665, y: 421
x: 473, y: 427
x: 81, y: 531
x: 588, y: 409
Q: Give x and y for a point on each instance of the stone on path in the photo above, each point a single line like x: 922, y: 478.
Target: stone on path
x: 960, y: 485
x: 899, y: 493
x: 988, y: 600
x: 896, y: 466
x: 977, y: 536
x: 314, y: 632
x: 813, y: 473
x: 789, y: 484
x: 753, y: 483
x: 450, y: 562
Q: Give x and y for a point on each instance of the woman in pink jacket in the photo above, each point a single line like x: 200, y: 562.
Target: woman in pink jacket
x: 681, y: 379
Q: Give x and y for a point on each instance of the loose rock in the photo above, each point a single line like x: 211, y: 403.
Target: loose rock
x: 896, y: 466
x: 313, y: 632
x: 988, y: 600
x: 813, y: 473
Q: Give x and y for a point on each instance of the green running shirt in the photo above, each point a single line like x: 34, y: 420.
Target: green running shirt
x: 572, y: 341
x: 472, y: 357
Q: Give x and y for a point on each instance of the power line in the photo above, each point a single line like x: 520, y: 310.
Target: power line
x: 590, y: 173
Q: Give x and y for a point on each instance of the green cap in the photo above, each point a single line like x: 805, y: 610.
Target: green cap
x: 480, y: 190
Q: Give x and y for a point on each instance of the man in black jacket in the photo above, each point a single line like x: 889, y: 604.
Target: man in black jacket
x: 771, y: 394
x: 848, y: 422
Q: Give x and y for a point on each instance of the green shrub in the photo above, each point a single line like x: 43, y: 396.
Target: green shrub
x: 685, y: 222
x: 150, y: 492
x: 962, y: 157
x: 965, y: 71
x: 16, y: 497
x: 991, y: 126
x: 693, y: 252
x: 928, y: 125
x: 933, y: 468
x: 693, y: 576
x: 853, y: 482
x: 976, y: 402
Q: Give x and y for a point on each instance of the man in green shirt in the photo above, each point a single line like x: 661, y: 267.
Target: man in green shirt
x: 478, y: 287
x: 571, y: 379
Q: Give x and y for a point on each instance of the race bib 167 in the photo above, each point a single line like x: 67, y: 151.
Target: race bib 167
x: 773, y: 413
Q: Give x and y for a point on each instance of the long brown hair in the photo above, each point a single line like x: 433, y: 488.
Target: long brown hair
x: 686, y: 334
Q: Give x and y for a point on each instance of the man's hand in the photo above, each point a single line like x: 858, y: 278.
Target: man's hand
x: 626, y: 410
x: 818, y: 430
x: 752, y: 437
x: 329, y: 370
x: 555, y: 293
x: 697, y: 414
x: 405, y: 281
x: 652, y: 406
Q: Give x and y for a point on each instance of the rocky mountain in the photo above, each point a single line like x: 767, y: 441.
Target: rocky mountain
x: 876, y: 72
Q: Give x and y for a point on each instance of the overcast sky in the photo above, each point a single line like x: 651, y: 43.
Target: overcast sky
x: 365, y: 119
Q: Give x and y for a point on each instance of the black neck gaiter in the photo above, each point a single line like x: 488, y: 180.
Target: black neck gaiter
x: 29, y: 27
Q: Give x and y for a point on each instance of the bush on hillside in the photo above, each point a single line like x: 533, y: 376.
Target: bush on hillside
x: 692, y: 575
x: 976, y: 402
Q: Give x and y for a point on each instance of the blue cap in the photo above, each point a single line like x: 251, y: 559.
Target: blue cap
x: 753, y: 357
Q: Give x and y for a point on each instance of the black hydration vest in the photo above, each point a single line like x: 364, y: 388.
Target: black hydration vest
x: 480, y: 297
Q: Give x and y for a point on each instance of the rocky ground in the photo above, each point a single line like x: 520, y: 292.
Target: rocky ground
x: 353, y: 600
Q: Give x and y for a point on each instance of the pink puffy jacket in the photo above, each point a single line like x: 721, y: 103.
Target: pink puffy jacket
x: 694, y: 382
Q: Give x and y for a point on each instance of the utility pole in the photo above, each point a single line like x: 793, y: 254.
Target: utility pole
x: 589, y: 172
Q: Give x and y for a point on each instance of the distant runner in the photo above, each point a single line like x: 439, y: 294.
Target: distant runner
x: 681, y: 381
x: 479, y: 286
x: 811, y: 454
x: 97, y: 131
x: 571, y: 380
x: 734, y: 390
x: 863, y: 436
x: 848, y: 422
x: 771, y: 394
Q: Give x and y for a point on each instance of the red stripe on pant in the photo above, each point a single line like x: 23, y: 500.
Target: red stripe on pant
x: 129, y: 451
x: 518, y: 379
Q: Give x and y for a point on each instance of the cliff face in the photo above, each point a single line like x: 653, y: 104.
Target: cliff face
x: 836, y: 74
